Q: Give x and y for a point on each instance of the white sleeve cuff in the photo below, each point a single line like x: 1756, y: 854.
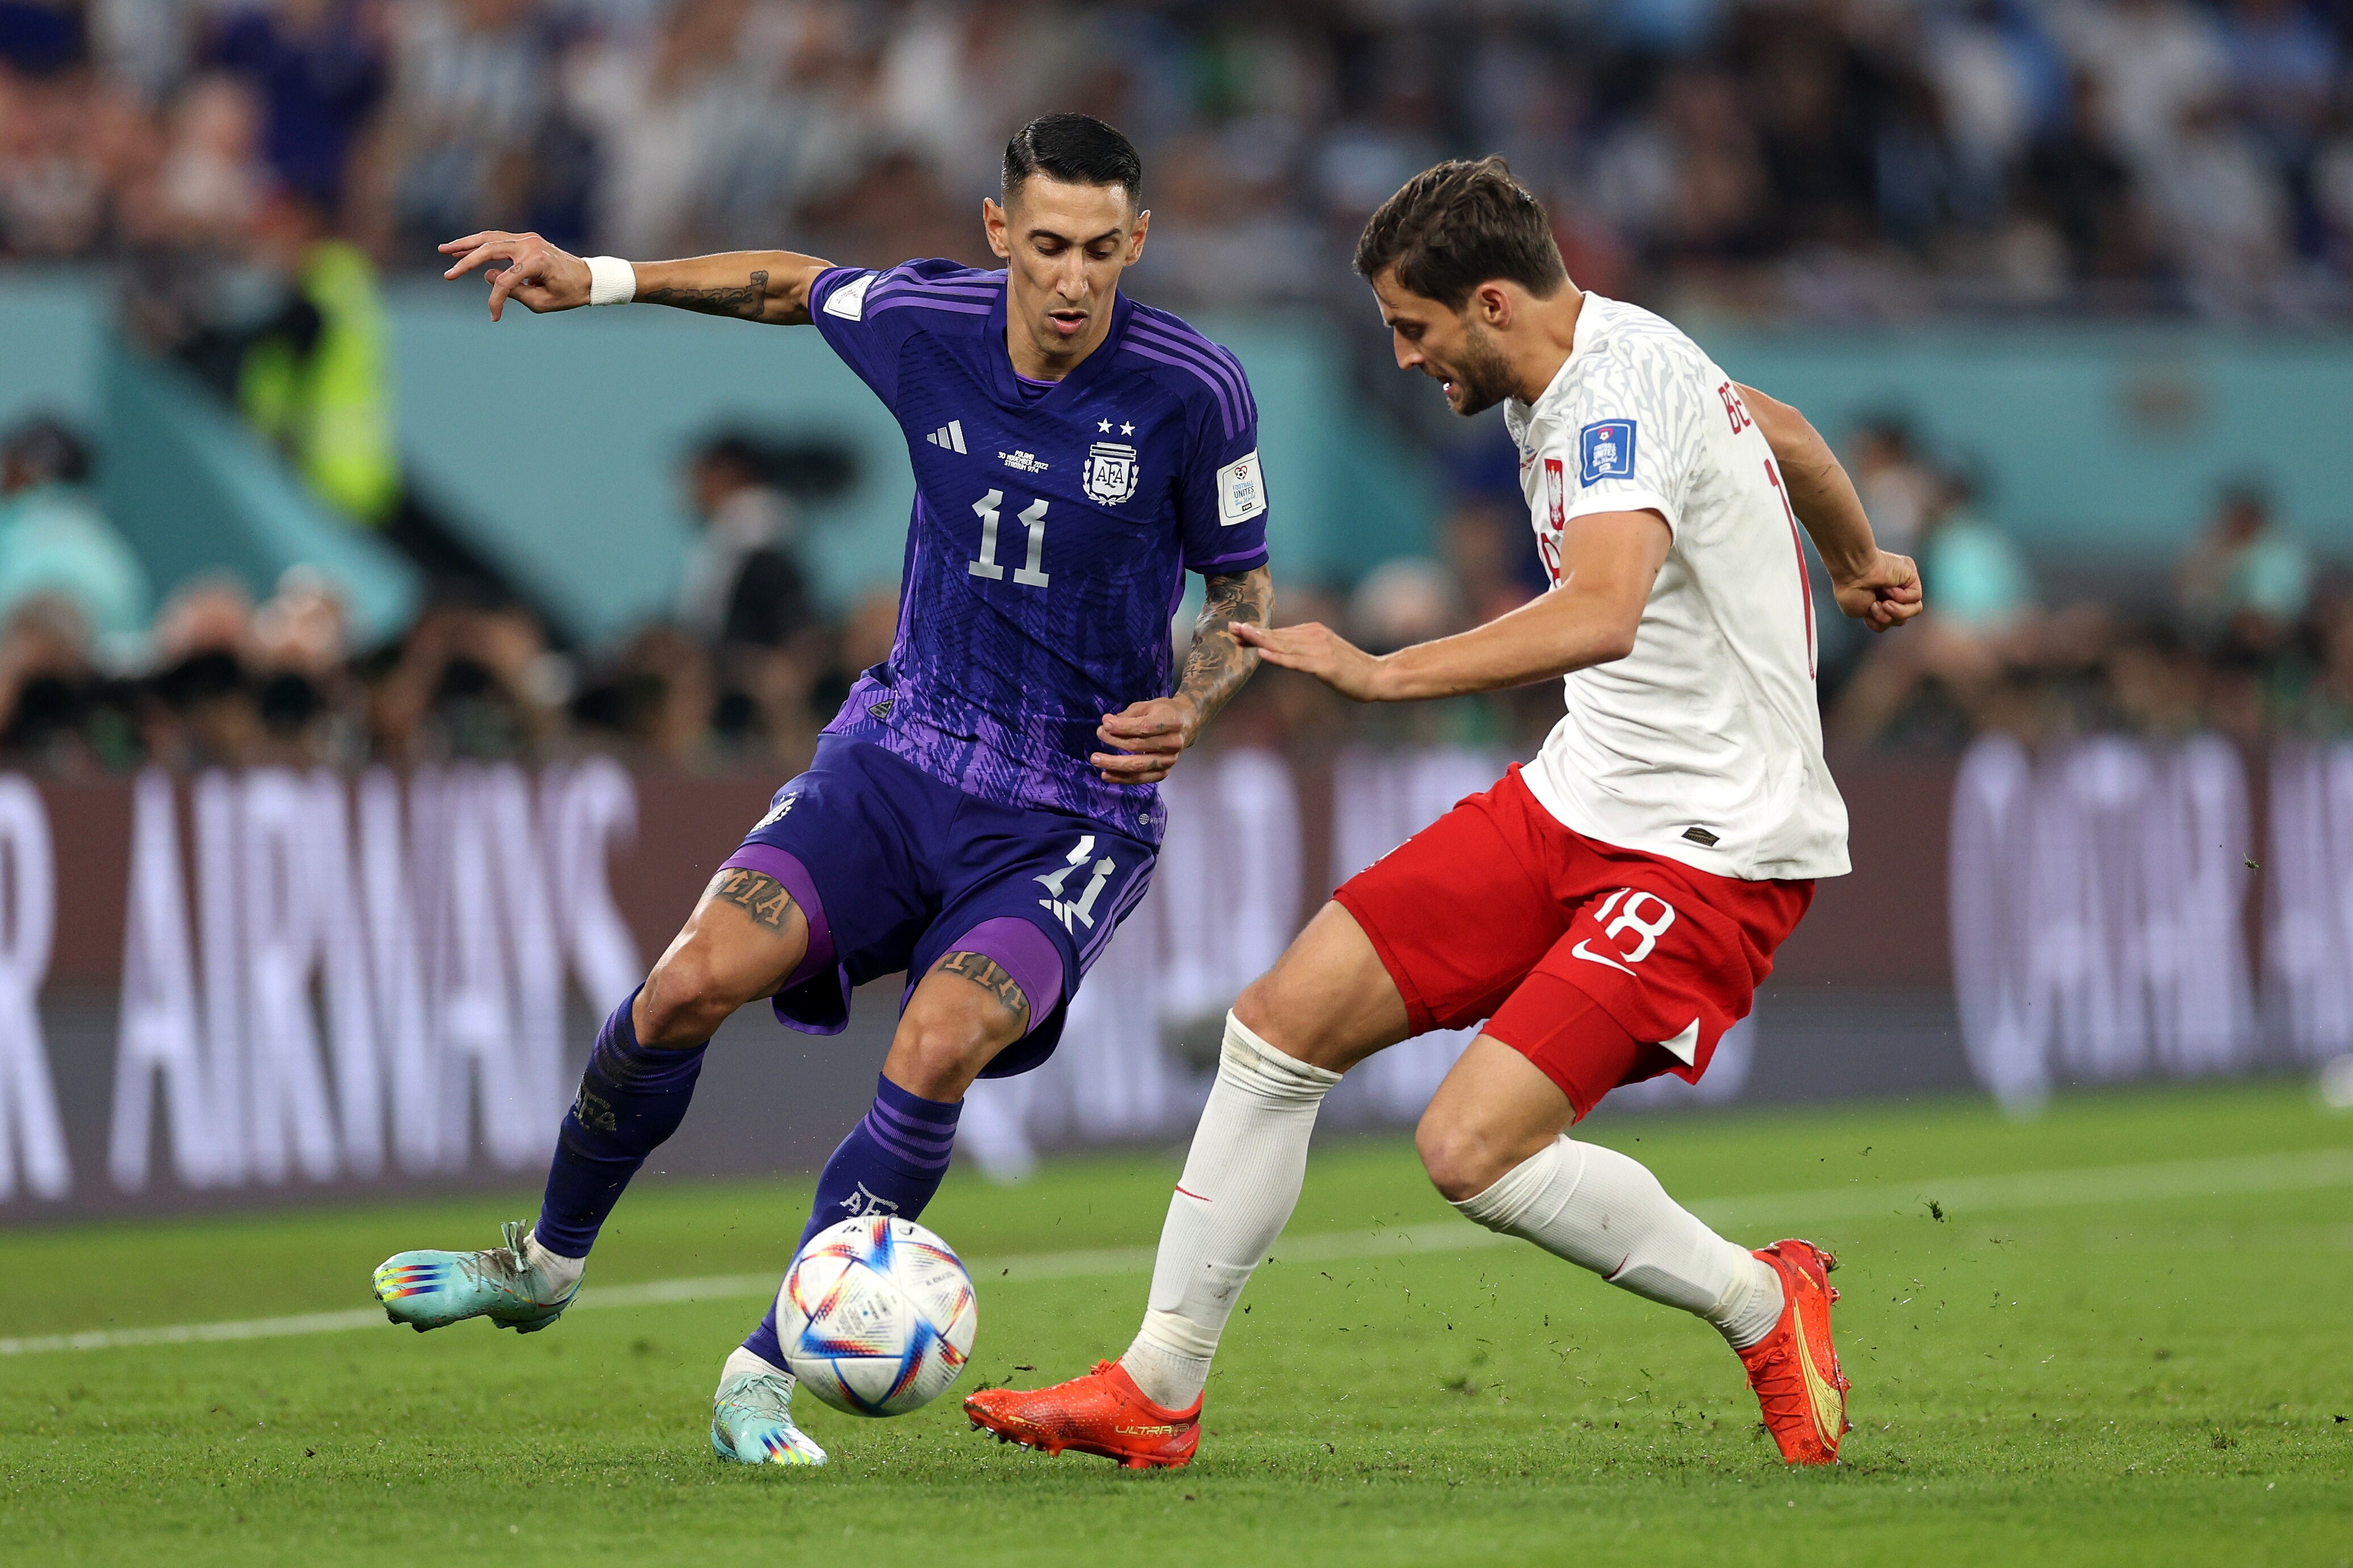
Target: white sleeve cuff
x: 611, y: 280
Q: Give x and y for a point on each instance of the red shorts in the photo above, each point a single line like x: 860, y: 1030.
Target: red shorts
x: 1601, y: 966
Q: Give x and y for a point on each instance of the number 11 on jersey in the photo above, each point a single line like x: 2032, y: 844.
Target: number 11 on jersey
x: 1033, y: 517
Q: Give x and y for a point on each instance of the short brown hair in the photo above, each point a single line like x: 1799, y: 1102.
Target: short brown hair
x: 1458, y: 225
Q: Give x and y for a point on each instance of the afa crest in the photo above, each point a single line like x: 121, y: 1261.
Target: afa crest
x: 1111, y: 473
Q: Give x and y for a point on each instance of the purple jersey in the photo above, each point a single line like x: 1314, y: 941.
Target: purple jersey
x: 1052, y: 532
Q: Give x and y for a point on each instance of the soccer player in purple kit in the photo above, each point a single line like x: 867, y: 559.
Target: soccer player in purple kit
x: 983, y: 811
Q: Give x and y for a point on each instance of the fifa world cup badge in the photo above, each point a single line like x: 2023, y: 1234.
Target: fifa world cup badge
x: 1607, y: 451
x: 1111, y: 473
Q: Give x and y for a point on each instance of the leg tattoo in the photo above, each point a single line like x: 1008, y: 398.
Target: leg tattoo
x: 762, y: 898
x: 990, y: 976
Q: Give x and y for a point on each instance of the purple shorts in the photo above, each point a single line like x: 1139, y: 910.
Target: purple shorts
x: 896, y: 870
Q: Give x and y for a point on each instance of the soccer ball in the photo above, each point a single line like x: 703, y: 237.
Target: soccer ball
x: 876, y: 1316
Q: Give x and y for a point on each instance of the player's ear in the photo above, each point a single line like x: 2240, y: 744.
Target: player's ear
x: 1136, y: 237
x: 1490, y: 304
x: 994, y: 224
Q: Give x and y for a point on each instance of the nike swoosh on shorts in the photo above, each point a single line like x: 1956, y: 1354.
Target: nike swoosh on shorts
x: 1579, y: 952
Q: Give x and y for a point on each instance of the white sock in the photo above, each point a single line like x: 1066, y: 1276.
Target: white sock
x: 554, y: 1268
x: 741, y: 1359
x: 1241, y: 1181
x: 1605, y: 1212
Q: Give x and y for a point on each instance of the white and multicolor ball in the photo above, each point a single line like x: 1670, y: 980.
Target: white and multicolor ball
x: 876, y: 1316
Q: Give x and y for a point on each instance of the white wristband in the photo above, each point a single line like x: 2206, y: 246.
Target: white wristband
x: 611, y: 280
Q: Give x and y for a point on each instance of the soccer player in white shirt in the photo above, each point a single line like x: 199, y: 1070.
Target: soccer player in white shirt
x: 1609, y: 908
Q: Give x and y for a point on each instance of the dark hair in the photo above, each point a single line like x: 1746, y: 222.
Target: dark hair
x: 807, y: 468
x: 49, y: 450
x: 1457, y: 226
x: 2246, y: 489
x: 732, y: 449
x: 1077, y: 149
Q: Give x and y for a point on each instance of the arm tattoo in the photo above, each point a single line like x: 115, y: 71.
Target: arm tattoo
x: 985, y: 972
x: 762, y: 898
x: 1220, y: 664
x: 750, y: 301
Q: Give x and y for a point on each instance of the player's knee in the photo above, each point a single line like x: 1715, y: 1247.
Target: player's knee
x: 937, y: 1058
x: 684, y: 1001
x: 1463, y: 1157
x: 1267, y: 1008
x: 1327, y: 1002
x: 1259, y: 1009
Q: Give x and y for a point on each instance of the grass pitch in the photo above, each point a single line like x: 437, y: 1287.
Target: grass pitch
x: 2054, y: 1363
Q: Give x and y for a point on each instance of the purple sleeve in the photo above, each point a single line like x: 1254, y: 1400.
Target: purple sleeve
x: 868, y: 345
x: 1221, y: 509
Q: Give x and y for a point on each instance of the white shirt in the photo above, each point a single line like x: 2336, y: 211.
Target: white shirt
x: 1704, y: 744
x: 749, y: 520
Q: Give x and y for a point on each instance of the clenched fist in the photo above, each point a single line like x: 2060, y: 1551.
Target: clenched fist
x: 1883, y: 594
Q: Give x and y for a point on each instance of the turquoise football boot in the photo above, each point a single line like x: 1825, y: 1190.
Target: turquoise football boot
x: 433, y: 1289
x: 752, y: 1416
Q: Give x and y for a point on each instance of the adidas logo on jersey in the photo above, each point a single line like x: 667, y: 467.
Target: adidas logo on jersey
x: 950, y: 434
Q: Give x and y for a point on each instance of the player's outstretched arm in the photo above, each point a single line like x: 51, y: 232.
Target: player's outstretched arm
x: 1880, y: 589
x: 770, y: 286
x: 1144, y: 742
x: 1610, y: 560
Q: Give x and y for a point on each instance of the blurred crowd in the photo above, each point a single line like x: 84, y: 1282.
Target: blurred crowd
x: 2248, y: 637
x: 1825, y: 158
x: 2243, y: 634
x: 251, y: 168
x: 96, y: 677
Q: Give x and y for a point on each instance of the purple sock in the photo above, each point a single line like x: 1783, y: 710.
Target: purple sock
x: 631, y: 1098
x: 891, y: 1162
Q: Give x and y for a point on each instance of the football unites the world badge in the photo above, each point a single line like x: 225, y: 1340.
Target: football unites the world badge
x: 1111, y: 473
x: 1605, y: 451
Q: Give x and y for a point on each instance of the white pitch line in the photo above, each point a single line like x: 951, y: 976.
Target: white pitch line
x: 720, y: 1288
x: 2305, y: 1170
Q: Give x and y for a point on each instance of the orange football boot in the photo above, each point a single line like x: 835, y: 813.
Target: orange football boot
x: 1794, y: 1369
x: 1102, y: 1413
